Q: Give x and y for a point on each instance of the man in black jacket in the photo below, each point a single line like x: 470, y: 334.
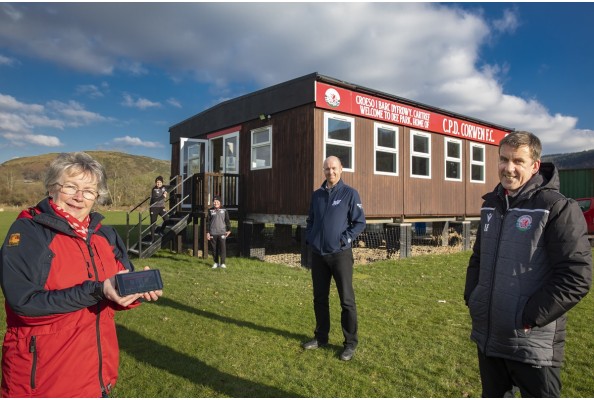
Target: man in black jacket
x: 531, y: 263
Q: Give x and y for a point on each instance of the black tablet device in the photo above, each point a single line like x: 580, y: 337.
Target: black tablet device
x: 138, y: 282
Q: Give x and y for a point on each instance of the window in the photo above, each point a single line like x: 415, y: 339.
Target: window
x: 453, y: 159
x: 262, y: 148
x: 231, y: 153
x: 339, y: 139
x: 386, y: 149
x: 477, y: 163
x: 420, y: 154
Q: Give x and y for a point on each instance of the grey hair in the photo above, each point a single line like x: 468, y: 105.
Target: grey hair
x: 73, y: 164
x: 523, y: 138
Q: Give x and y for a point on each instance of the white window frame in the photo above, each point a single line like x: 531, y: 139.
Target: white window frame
x: 343, y: 143
x: 447, y: 158
x: 413, y: 153
x: 260, y: 145
x: 474, y: 162
x: 377, y: 147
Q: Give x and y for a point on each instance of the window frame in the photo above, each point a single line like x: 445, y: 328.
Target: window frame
x: 377, y: 148
x: 473, y: 162
x: 427, y: 155
x: 447, y: 158
x: 260, y: 145
x: 350, y: 144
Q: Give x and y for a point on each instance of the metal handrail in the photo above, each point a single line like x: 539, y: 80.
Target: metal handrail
x: 147, y: 229
x: 140, y: 218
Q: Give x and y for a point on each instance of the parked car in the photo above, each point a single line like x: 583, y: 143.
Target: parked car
x: 587, y: 206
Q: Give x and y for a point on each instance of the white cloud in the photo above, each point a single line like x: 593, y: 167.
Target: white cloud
x: 136, y: 142
x: 91, y: 91
x: 174, y: 102
x: 508, y: 22
x: 7, y: 61
x: 11, y: 12
x: 140, y: 102
x: 39, y: 140
x: 74, y: 113
x: 19, y: 122
x: 9, y: 103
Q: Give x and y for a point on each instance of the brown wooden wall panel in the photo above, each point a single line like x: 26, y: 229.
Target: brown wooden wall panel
x: 475, y: 191
x: 175, y: 158
x: 381, y: 195
x: 286, y: 187
x: 438, y: 196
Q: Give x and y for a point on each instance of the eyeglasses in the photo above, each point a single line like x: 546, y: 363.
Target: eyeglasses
x: 72, y: 190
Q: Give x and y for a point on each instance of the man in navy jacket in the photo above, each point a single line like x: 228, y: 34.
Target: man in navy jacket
x: 335, y: 219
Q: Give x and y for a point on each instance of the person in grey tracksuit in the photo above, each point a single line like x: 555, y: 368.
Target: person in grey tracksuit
x: 219, y: 228
x: 531, y: 263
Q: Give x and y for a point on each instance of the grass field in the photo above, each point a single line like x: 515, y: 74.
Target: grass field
x: 237, y: 333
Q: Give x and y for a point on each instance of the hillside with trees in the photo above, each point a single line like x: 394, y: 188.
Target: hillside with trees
x: 129, y: 178
x: 578, y: 160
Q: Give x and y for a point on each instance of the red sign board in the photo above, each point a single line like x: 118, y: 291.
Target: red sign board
x: 363, y: 105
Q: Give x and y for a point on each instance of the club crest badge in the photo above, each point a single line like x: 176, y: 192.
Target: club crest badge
x: 14, y: 239
x: 332, y: 97
x: 524, y: 223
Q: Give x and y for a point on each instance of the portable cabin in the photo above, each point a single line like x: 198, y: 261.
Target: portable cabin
x: 409, y: 161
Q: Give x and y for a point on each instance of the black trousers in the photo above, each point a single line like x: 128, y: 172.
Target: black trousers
x: 499, y: 376
x: 154, y: 212
x: 340, y: 267
x: 219, y: 248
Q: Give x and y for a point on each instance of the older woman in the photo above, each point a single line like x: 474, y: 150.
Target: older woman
x: 57, y: 268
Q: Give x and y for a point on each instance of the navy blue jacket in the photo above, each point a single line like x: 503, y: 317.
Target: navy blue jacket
x: 335, y: 219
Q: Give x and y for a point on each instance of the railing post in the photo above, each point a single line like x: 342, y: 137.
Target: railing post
x: 139, y: 235
x: 127, y: 230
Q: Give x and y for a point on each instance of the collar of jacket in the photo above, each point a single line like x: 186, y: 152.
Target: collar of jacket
x: 340, y: 183
x: 46, y: 216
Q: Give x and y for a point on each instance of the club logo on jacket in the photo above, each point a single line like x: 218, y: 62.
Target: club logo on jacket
x: 486, y: 226
x: 524, y: 223
x: 14, y: 239
x: 335, y: 202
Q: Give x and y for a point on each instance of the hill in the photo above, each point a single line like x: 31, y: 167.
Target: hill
x: 129, y: 177
x: 578, y: 160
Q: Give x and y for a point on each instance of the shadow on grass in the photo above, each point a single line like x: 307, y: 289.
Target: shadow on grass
x: 189, y: 368
x: 165, y: 302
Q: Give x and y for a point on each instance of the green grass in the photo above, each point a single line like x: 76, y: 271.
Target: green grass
x: 237, y: 333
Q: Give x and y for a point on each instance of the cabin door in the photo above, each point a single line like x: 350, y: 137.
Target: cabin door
x: 194, y: 159
x: 225, y: 159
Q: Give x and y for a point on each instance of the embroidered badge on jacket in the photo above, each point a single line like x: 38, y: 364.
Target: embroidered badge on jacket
x: 524, y: 223
x: 14, y: 239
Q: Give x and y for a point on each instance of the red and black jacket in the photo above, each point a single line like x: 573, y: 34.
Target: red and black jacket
x: 60, y: 339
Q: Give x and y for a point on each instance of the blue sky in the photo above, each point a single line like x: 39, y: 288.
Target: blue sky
x: 116, y: 76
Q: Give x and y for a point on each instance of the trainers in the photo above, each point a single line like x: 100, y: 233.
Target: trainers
x: 347, y: 354
x: 215, y: 265
x: 313, y: 344
x: 223, y: 266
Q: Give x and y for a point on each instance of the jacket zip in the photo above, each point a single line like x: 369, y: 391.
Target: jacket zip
x: 33, y: 351
x: 97, y: 319
x: 493, y: 273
